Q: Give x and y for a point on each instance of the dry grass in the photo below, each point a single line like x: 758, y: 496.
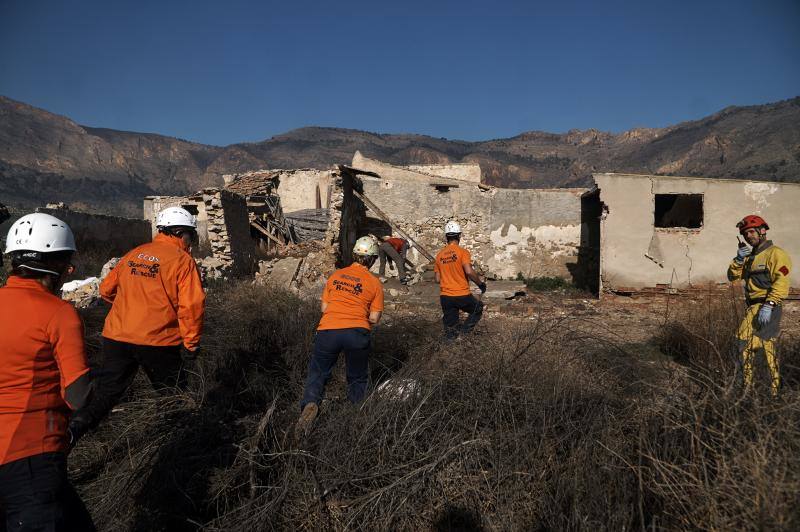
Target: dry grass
x: 543, y: 425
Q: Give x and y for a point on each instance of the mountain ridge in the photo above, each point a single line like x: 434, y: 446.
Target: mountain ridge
x: 47, y: 157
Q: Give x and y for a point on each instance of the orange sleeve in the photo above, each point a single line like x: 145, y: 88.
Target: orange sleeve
x: 65, y: 332
x: 108, y: 288
x: 191, y: 303
x: 436, y: 264
x: 466, y: 258
x: 376, y: 305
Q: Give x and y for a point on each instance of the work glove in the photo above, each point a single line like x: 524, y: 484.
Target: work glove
x: 741, y: 254
x: 187, y: 355
x: 77, y: 427
x: 482, y: 287
x: 764, y: 315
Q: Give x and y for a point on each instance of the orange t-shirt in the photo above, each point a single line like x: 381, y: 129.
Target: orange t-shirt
x: 351, y: 294
x: 156, y: 296
x: 41, y: 356
x: 450, y: 263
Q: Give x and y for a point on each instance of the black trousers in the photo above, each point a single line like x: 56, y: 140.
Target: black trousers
x: 162, y: 365
x: 451, y: 306
x: 35, y: 494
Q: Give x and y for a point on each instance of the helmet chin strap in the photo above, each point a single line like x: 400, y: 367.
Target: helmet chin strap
x: 40, y: 270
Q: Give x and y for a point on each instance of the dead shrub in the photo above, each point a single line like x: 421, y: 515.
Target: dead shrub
x: 714, y: 456
x: 544, y: 424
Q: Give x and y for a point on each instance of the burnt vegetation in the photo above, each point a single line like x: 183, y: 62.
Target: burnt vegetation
x: 546, y: 424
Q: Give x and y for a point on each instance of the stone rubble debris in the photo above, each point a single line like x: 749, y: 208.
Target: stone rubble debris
x: 85, y: 293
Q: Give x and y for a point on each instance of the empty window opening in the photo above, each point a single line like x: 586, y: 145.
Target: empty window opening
x: 683, y: 211
x: 192, y: 208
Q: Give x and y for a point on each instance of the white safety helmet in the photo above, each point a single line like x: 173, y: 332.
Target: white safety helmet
x: 39, y: 232
x: 366, y: 246
x: 176, y: 217
x: 451, y: 228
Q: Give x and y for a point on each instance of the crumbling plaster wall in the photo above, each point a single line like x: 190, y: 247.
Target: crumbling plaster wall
x: 298, y: 188
x: 533, y: 232
x: 681, y: 258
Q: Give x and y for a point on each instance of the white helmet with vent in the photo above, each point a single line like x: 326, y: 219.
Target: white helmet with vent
x: 39, y: 232
x: 176, y: 217
x: 452, y: 228
x: 366, y: 245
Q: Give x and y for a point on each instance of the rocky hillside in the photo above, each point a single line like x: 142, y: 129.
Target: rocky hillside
x: 46, y: 157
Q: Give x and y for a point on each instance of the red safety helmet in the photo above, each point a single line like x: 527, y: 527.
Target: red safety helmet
x: 750, y: 222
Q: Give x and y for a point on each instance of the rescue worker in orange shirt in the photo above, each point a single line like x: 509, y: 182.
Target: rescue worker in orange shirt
x: 394, y: 250
x: 43, y: 377
x: 454, y: 271
x: 156, y: 316
x: 352, y: 303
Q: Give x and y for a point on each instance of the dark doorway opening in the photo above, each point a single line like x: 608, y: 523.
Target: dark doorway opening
x: 586, y: 271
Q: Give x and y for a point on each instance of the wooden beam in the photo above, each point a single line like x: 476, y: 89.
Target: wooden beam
x: 266, y: 233
x: 374, y: 208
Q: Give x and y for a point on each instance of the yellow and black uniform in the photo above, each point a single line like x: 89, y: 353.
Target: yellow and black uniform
x: 43, y: 377
x: 455, y: 295
x: 765, y: 273
x: 350, y: 295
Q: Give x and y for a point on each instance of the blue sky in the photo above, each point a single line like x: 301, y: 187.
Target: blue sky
x: 232, y: 71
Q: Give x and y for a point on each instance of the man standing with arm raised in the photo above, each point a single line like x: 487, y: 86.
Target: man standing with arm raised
x: 765, y: 271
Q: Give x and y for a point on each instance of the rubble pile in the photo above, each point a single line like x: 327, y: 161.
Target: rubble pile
x: 304, y: 273
x: 85, y: 293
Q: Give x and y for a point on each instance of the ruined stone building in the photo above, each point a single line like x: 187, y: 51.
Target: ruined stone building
x: 533, y: 232
x: 628, y: 233
x: 680, y: 232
